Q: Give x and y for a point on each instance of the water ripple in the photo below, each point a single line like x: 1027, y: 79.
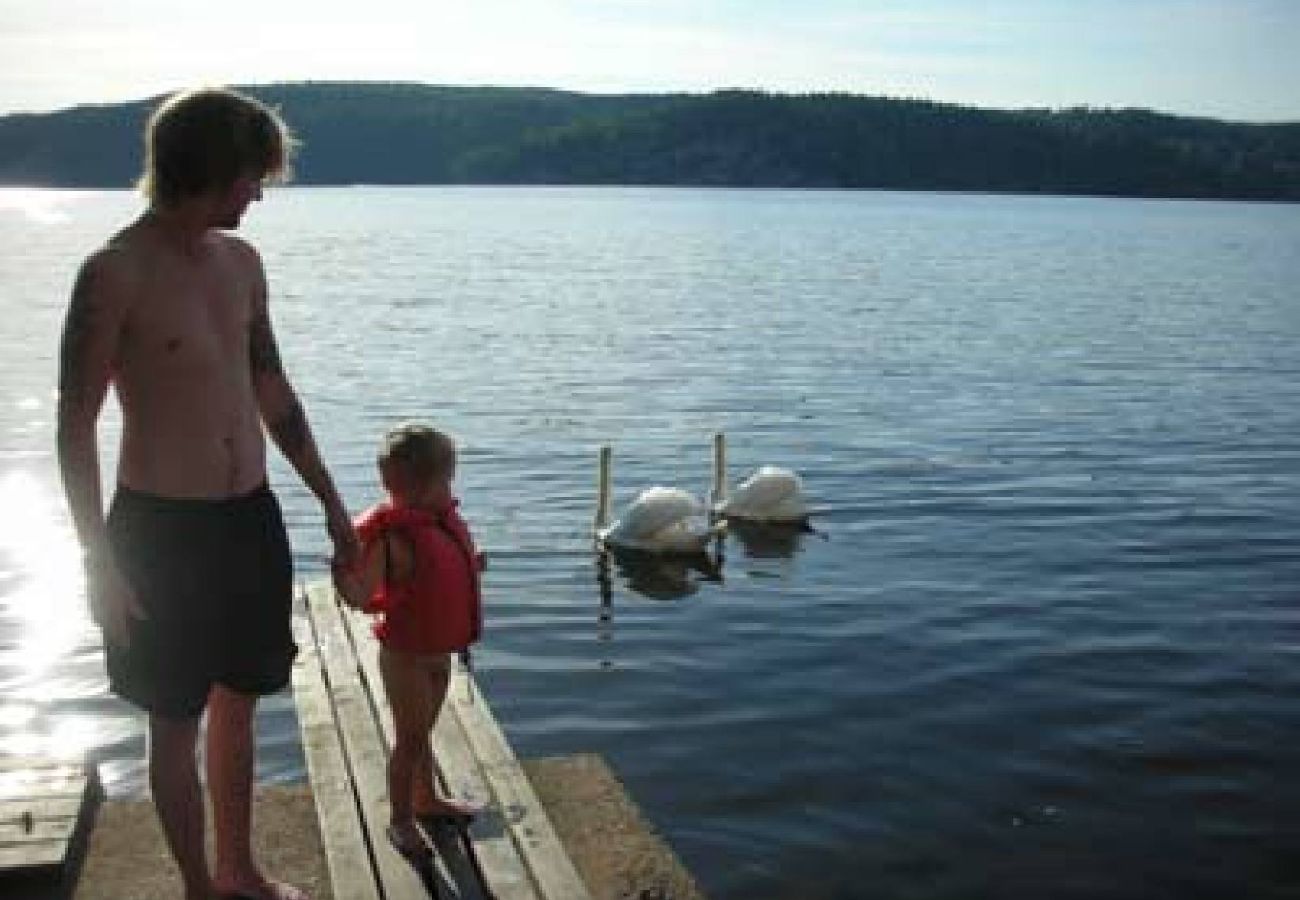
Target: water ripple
x: 1043, y: 643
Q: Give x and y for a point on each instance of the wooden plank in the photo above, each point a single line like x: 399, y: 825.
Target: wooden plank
x: 34, y: 856
x: 42, y: 781
x: 42, y: 806
x: 504, y: 869
x: 17, y: 832
x: 11, y: 762
x: 346, y: 855
x: 456, y: 868
x: 506, y: 876
x: 366, y: 650
x: 552, y: 871
x: 362, y: 743
x: 439, y: 881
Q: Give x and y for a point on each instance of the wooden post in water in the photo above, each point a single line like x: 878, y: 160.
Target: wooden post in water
x: 602, y: 492
x: 718, y: 493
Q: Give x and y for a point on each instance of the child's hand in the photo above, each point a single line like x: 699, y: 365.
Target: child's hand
x: 344, y: 576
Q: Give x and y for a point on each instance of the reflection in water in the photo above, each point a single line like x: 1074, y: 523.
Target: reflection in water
x: 605, y: 618
x: 769, y: 540
x: 665, y: 577
x: 659, y: 576
x: 655, y: 576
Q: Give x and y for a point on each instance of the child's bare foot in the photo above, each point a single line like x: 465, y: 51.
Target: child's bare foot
x: 407, y: 840
x: 261, y: 888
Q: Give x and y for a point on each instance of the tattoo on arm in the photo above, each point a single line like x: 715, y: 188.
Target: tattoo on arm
x: 292, y: 435
x: 291, y: 432
x: 77, y: 330
x: 263, y: 354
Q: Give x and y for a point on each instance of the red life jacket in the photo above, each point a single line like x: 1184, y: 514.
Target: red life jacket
x: 439, y: 609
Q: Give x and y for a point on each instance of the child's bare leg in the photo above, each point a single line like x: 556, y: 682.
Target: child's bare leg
x: 411, y: 699
x: 424, y: 794
x: 424, y: 791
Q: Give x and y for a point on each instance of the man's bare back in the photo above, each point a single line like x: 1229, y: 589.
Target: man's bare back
x: 191, y: 425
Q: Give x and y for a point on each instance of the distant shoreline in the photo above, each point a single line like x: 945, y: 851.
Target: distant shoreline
x: 383, y: 134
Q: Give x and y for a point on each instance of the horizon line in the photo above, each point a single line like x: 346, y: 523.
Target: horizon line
x: 700, y: 92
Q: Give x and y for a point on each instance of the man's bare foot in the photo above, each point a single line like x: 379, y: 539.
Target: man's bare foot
x: 260, y: 888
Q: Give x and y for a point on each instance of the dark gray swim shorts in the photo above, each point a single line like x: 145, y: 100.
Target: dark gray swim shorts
x: 216, y: 577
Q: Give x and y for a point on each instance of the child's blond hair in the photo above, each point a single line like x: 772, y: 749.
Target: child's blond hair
x: 413, y: 454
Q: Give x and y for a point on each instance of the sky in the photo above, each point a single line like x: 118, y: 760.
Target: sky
x: 1230, y: 59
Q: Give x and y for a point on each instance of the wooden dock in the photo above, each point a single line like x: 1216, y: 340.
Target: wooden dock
x: 509, y: 852
x: 42, y: 805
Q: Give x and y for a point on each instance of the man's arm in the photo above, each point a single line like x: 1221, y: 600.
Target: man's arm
x: 282, y: 413
x: 286, y: 421
x: 88, y: 350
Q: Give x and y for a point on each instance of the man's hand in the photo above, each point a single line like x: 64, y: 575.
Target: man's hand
x: 346, y: 548
x: 113, y: 603
x: 346, y: 585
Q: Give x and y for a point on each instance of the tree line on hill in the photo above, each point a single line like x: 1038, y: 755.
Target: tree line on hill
x: 389, y: 133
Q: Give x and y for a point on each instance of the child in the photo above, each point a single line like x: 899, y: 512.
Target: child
x: 418, y: 569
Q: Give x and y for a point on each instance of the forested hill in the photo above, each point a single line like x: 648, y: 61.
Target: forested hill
x: 372, y: 133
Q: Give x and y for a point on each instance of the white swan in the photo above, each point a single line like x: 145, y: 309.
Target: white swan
x: 771, y: 495
x: 659, y: 520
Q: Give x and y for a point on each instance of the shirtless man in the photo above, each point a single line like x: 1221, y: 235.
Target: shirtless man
x: 189, y: 576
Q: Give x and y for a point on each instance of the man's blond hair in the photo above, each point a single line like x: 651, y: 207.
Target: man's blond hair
x: 201, y: 140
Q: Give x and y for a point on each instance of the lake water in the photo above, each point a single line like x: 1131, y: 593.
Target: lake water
x: 1045, y: 641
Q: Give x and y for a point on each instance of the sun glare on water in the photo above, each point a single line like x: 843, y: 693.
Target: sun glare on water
x: 48, y: 643
x: 44, y: 207
x: 42, y: 593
